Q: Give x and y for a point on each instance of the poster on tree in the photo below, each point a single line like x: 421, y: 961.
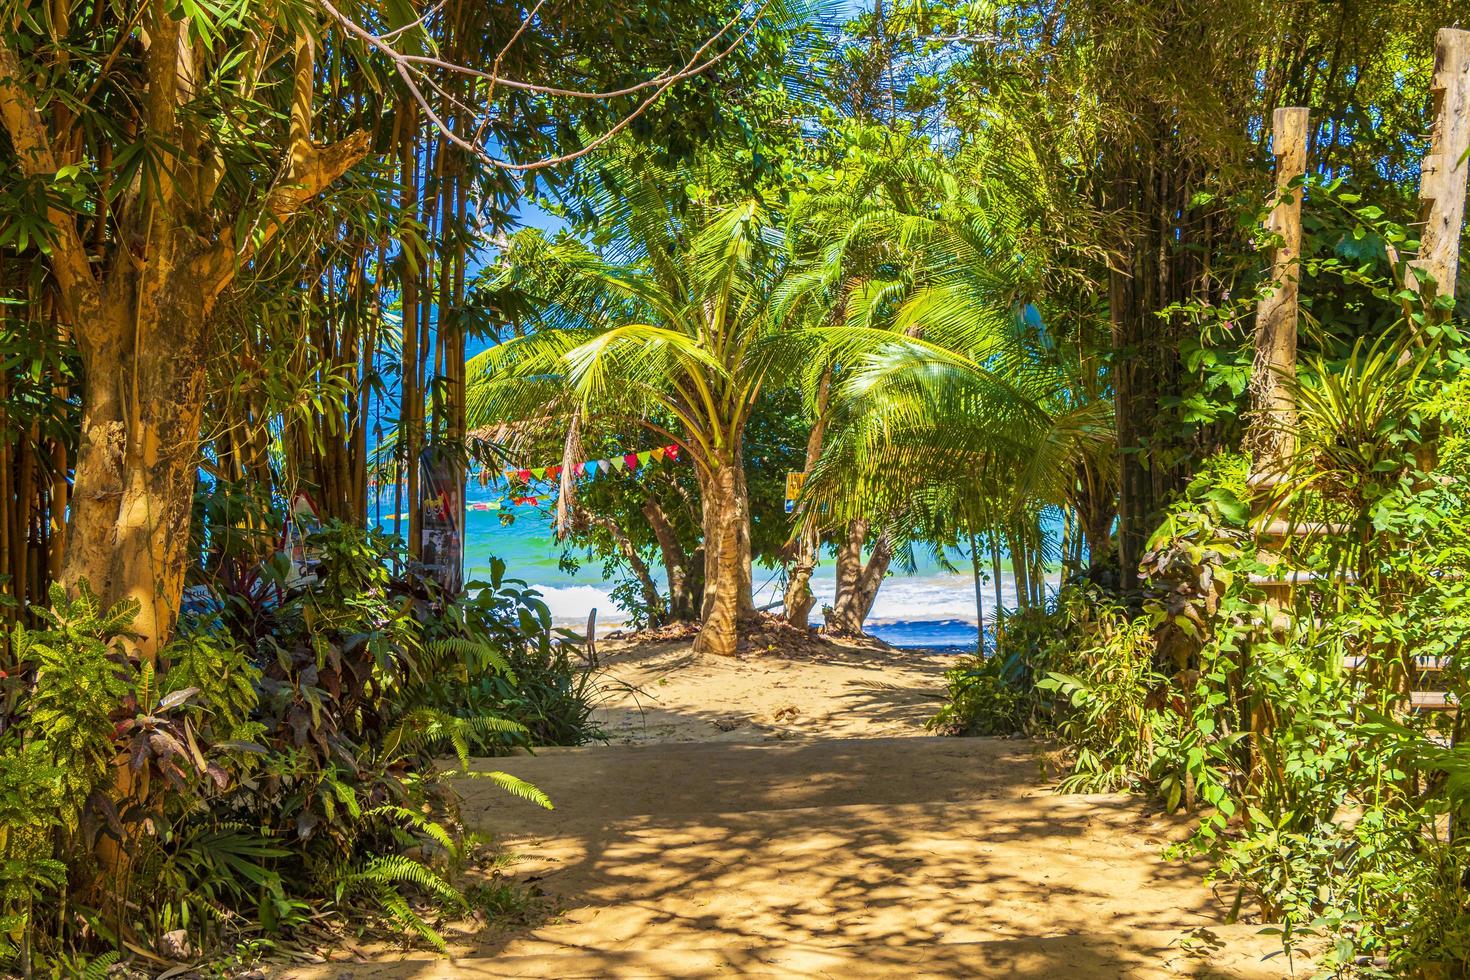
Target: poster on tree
x: 441, y: 535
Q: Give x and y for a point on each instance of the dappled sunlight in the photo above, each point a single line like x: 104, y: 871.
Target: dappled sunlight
x: 851, y: 857
x: 667, y: 693
x: 894, y: 843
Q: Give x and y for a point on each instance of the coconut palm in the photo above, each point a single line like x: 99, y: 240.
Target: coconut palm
x: 956, y: 407
x: 661, y: 330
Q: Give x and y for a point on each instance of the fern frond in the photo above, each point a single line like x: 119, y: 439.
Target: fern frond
x: 423, y: 729
x: 471, y: 653
x: 514, y: 786
x: 432, y: 829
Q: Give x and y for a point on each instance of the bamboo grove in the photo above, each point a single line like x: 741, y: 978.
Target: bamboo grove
x: 323, y: 305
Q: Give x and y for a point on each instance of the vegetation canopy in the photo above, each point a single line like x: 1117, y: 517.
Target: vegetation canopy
x: 1146, y: 315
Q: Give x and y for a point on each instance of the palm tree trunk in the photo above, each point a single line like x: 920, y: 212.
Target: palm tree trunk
x: 995, y: 569
x: 858, y: 582
x: 849, y: 568
x: 727, y: 582
x: 979, y: 596
x: 799, y: 599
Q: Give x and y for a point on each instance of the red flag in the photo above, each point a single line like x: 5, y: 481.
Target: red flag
x: 552, y: 472
x: 631, y: 459
x: 523, y: 475
x: 673, y: 451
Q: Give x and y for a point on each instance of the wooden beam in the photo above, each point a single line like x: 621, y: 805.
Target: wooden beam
x: 1443, y: 172
x: 1273, y: 405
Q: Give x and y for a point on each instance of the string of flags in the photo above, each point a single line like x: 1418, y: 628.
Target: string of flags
x: 614, y: 464
x: 590, y: 469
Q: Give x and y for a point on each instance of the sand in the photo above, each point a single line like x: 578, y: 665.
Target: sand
x: 665, y: 692
x: 790, y: 817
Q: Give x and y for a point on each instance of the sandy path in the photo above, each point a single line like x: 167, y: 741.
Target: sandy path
x: 782, y: 818
x: 667, y: 693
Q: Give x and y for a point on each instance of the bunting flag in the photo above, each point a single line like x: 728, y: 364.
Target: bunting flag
x: 590, y: 469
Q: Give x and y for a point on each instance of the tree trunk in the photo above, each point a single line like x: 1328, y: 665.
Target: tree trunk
x: 979, y: 595
x: 857, y: 582
x: 799, y: 599
x: 676, y: 563
x: 1273, y: 404
x: 140, y: 328
x: 726, y: 519
x: 143, y: 397
x: 657, y: 614
x: 1096, y: 511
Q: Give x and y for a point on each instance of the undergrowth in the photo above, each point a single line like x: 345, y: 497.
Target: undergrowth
x: 1325, y: 805
x: 276, y: 767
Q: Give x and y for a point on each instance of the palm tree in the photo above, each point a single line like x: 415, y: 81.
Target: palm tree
x: 662, y: 330
x: 957, y: 409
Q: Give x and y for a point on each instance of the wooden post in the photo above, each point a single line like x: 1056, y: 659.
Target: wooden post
x: 1273, y: 405
x: 1442, y: 175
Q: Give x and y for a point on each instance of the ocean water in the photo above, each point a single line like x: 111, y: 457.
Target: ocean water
x: 932, y: 607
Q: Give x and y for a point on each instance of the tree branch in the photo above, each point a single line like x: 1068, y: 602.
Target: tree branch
x: 406, y: 65
x: 32, y: 144
x: 309, y: 170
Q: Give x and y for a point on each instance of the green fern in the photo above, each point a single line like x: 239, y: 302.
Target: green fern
x: 425, y: 729
x: 515, y: 786
x: 379, y: 879
x: 431, y: 829
x: 471, y: 654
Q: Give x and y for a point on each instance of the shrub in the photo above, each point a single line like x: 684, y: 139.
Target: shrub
x: 279, y: 759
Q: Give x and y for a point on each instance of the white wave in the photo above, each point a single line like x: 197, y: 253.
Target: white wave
x: 902, y: 599
x: 915, y: 598
x: 570, y: 604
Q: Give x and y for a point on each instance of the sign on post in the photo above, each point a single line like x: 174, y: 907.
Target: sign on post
x: 795, y: 480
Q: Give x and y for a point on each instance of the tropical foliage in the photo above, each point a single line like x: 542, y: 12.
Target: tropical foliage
x: 968, y: 283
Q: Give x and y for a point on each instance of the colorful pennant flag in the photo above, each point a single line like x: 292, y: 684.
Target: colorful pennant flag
x: 590, y: 469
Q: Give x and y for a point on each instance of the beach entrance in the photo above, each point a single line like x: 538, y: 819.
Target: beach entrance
x: 791, y: 817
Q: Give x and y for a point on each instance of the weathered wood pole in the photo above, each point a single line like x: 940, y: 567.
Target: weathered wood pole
x: 1442, y: 175
x: 1273, y: 406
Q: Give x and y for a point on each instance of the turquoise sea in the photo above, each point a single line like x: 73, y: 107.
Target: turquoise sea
x: 932, y: 607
